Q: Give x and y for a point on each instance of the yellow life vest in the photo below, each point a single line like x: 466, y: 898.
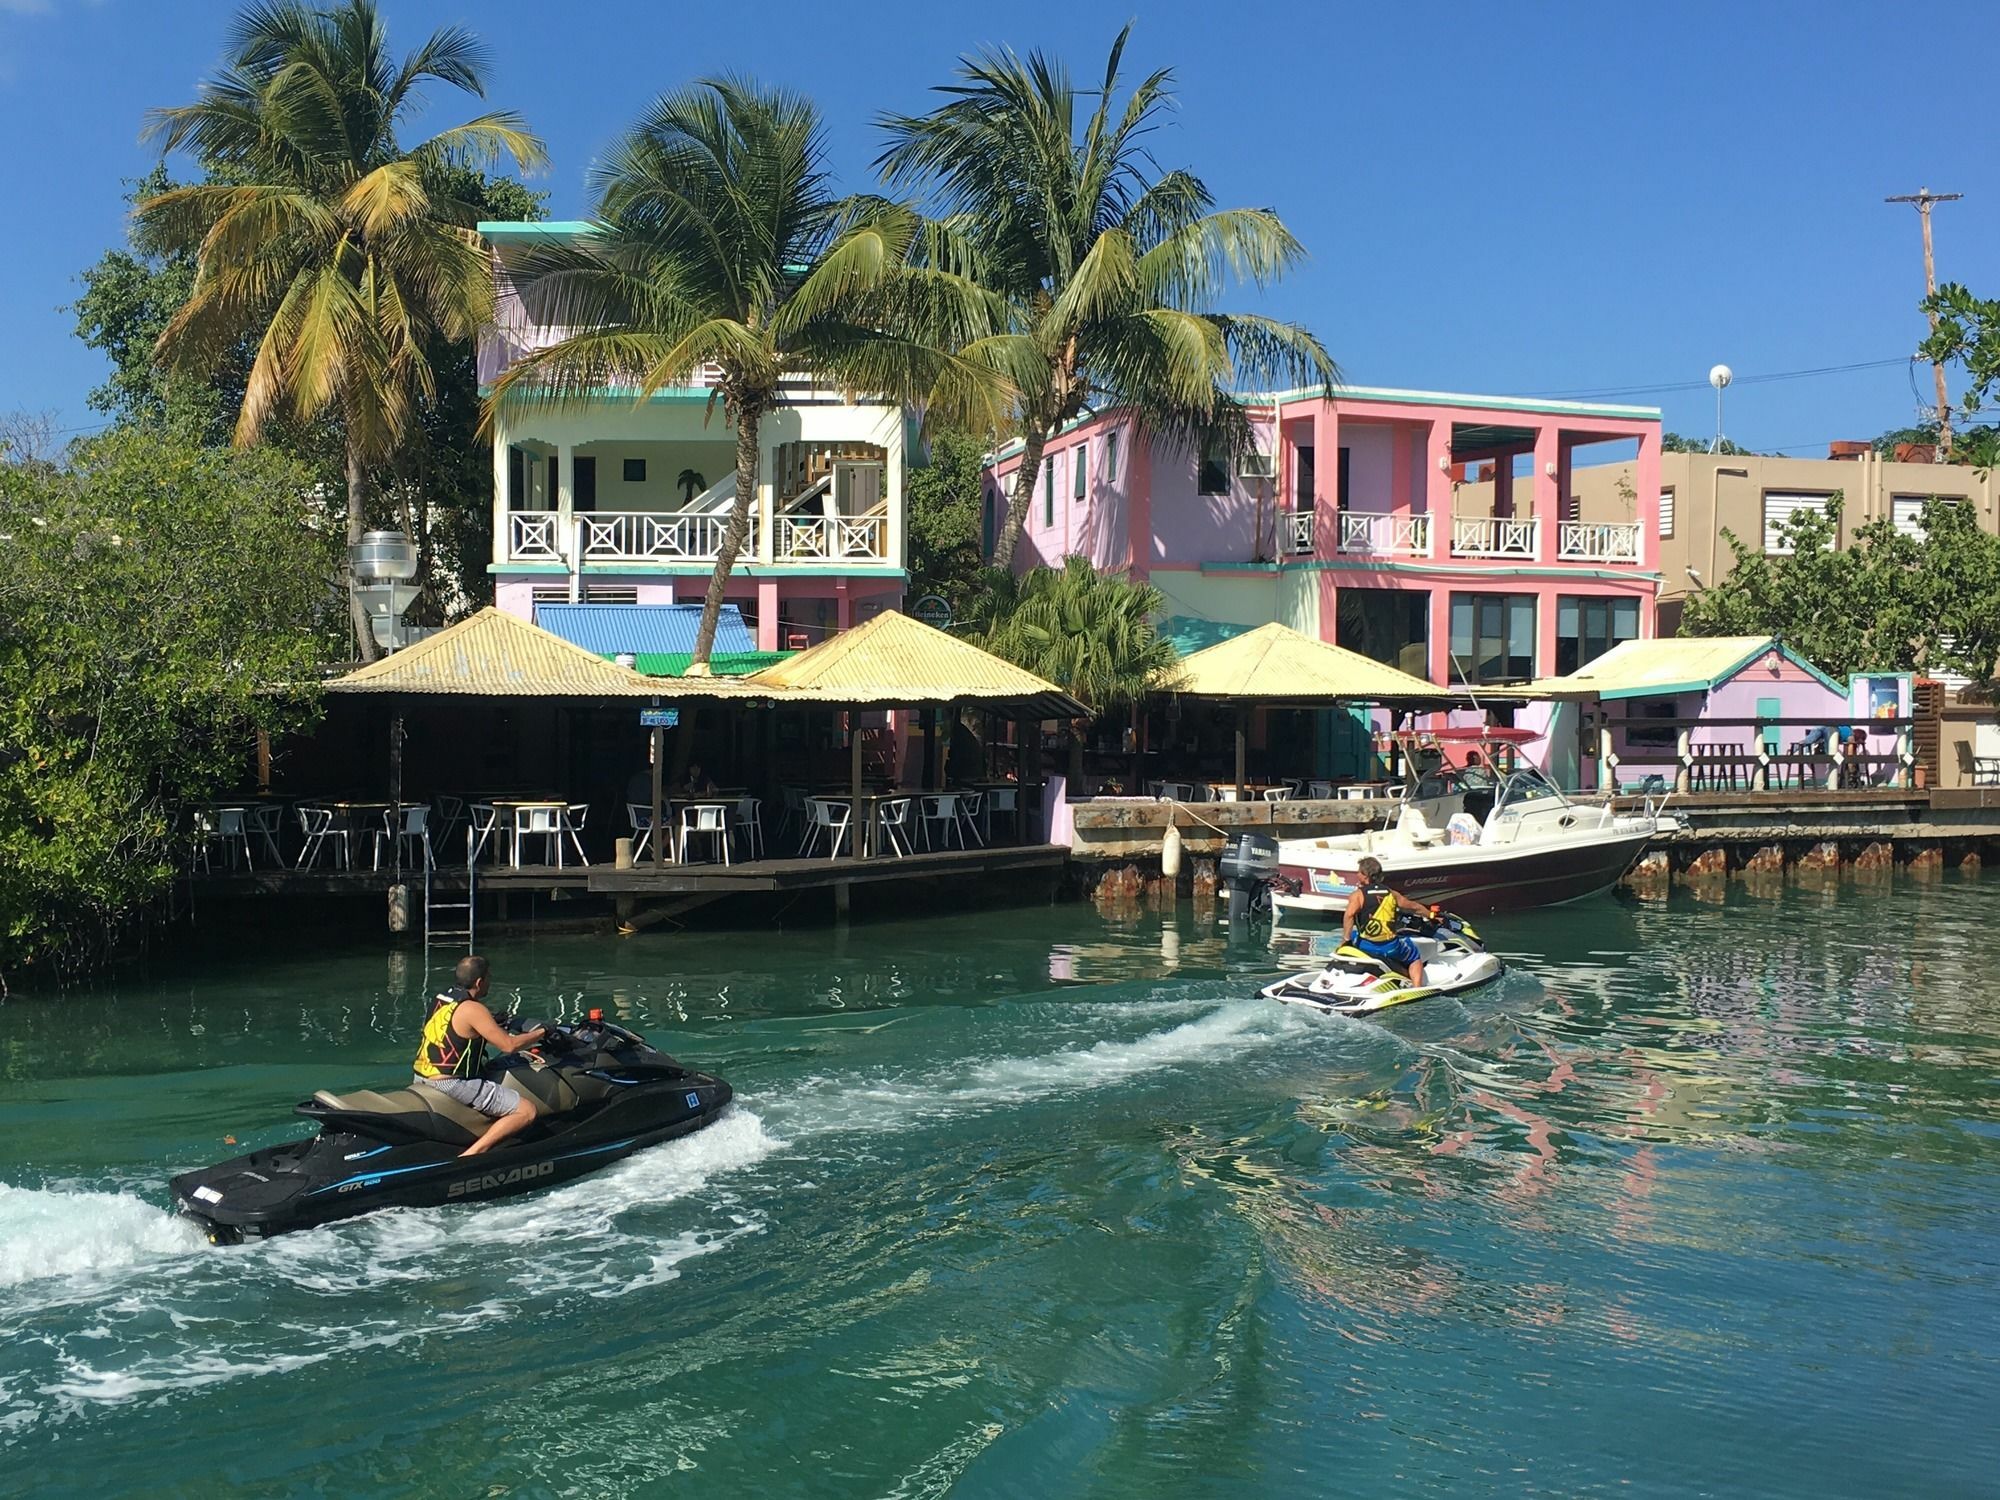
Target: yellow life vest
x: 443, y: 1053
x: 1378, y: 923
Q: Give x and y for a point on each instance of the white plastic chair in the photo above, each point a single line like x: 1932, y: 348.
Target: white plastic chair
x: 226, y: 826
x: 793, y: 821
x: 971, y: 813
x: 641, y: 814
x: 893, y: 818
x: 485, y: 819
x: 416, y: 830
x: 1178, y: 791
x: 317, y: 826
x: 942, y: 809
x: 747, y: 819
x: 828, y: 816
x: 538, y: 823
x: 267, y: 822
x: 1319, y: 791
x: 705, y: 820
x: 1277, y: 794
x: 450, y: 814
x: 1005, y: 802
x: 572, y: 819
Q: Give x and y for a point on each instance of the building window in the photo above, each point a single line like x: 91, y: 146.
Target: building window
x: 1079, y: 469
x: 593, y: 593
x: 1666, y: 512
x: 1049, y: 490
x: 1492, y: 637
x: 584, y: 471
x: 635, y: 471
x: 1214, y: 478
x: 1586, y: 628
x: 1302, y: 477
x: 1345, y: 479
x: 1780, y: 508
x: 1110, y: 457
x: 1386, y: 625
x: 1907, y: 511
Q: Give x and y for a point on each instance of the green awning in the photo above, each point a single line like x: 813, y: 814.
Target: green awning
x: 1190, y: 634
x: 722, y: 664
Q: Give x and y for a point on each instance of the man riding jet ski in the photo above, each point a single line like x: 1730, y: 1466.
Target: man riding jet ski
x: 584, y: 1095
x: 1424, y: 953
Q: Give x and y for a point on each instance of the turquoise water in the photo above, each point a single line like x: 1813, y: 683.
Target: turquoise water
x: 1700, y: 1200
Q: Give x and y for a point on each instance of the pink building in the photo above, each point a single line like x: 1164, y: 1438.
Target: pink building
x: 1436, y: 532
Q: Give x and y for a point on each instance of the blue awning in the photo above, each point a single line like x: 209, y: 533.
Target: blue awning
x: 1190, y: 634
x: 642, y: 629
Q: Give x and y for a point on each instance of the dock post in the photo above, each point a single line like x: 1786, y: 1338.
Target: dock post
x: 843, y: 899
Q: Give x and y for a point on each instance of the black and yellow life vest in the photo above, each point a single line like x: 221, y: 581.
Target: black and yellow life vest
x: 1378, y: 914
x: 443, y: 1053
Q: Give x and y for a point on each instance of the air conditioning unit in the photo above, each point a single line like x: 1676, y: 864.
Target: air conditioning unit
x: 1257, y: 466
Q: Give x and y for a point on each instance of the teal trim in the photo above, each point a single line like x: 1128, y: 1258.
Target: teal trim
x: 699, y: 570
x: 630, y: 393
x: 1448, y: 570
x: 1663, y: 690
x: 534, y: 229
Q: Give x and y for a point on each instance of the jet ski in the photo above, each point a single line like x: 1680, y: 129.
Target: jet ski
x: 602, y: 1093
x: 1355, y: 983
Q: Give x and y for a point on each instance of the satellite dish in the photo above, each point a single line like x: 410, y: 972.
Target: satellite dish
x: 1720, y: 376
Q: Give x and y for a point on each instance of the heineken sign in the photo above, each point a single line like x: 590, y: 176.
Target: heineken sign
x: 933, y: 610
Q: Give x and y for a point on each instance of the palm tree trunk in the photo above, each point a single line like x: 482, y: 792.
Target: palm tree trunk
x: 748, y: 416
x: 1034, y: 442
x: 357, y: 522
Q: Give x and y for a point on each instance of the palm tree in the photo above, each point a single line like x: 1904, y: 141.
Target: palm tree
x: 343, y: 256
x: 1090, y: 633
x: 718, y: 243
x: 1108, y: 265
x: 692, y: 483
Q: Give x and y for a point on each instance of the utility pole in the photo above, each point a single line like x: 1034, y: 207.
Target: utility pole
x: 1923, y: 198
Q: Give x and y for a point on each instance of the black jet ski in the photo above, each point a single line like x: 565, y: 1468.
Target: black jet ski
x: 1355, y: 983
x: 603, y: 1094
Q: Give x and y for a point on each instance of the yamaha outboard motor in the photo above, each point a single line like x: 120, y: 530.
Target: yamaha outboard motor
x: 1248, y: 863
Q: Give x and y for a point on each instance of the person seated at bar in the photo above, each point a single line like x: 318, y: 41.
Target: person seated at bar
x: 697, y: 782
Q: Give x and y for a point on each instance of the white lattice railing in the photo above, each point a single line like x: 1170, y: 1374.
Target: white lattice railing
x: 832, y: 538
x: 1493, y: 536
x: 1298, y: 531
x: 534, y: 536
x: 1598, y: 541
x: 1386, y: 535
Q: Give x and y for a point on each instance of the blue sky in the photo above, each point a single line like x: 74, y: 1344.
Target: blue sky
x: 1566, y: 199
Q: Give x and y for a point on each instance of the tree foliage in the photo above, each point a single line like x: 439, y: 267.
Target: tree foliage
x: 1885, y: 602
x: 1090, y: 633
x: 719, y: 244
x: 1968, y: 333
x: 1674, y: 442
x: 160, y: 601
x: 1109, y: 269
x: 944, y: 508
x: 347, y: 260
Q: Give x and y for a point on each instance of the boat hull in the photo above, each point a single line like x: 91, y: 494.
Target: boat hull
x: 1472, y: 879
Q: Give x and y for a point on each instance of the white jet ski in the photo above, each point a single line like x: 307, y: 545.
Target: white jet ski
x: 1355, y: 983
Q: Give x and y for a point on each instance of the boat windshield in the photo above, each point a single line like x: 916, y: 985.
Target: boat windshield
x: 1449, y: 782
x: 1525, y: 786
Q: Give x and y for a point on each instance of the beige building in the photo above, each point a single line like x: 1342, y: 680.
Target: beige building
x: 1702, y: 495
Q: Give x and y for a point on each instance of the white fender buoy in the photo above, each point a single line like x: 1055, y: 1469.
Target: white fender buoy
x: 1170, y: 852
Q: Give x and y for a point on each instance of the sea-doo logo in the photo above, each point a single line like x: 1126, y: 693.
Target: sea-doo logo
x: 500, y: 1179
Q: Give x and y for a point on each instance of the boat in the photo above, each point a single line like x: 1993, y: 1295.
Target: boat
x: 602, y: 1093
x: 1355, y: 983
x: 1475, y: 838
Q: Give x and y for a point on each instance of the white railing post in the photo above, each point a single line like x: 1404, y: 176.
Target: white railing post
x: 1684, y: 752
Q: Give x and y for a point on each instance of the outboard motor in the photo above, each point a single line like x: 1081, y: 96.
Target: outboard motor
x: 1248, y: 862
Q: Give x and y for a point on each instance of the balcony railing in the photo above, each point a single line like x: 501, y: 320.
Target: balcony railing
x: 1598, y: 541
x: 833, y: 538
x: 1296, y: 534
x: 1494, y: 536
x: 616, y: 536
x: 1385, y: 535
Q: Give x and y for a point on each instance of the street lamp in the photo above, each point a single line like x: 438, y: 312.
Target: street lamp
x: 383, y: 563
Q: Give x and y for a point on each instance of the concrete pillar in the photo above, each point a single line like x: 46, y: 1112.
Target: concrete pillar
x: 502, y: 541
x: 1503, y: 486
x: 767, y: 614
x: 1136, y: 474
x: 569, y: 544
x: 1437, y: 475
x: 1646, y: 479
x: 1326, y: 488
x: 1547, y: 439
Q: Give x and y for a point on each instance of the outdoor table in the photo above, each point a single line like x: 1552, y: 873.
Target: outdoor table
x: 1363, y: 791
x: 519, y: 807
x: 356, y: 818
x: 866, y: 821
x: 1253, y: 791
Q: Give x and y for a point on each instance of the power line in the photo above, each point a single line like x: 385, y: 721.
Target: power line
x: 1697, y: 385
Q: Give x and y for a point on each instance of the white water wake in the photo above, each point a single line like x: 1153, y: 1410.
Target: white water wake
x: 53, y: 1232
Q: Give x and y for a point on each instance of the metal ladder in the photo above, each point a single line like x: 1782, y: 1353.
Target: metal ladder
x: 433, y: 932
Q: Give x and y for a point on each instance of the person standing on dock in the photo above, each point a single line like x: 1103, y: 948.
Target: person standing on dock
x: 457, y: 1032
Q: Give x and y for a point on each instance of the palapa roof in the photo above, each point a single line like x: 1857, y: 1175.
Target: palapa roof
x: 893, y: 661
x: 1276, y: 664
x: 493, y: 654
x: 1668, y: 666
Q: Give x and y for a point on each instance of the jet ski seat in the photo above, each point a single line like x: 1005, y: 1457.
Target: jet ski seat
x: 416, y: 1111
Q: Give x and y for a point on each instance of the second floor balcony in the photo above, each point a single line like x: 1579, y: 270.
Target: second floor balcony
x: 1499, y: 539
x: 668, y: 537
